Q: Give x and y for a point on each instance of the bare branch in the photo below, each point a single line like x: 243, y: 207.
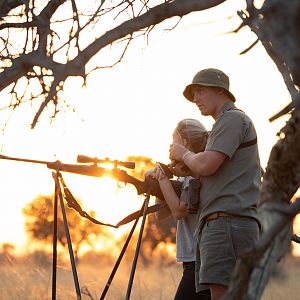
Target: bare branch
x: 250, y: 47
x: 7, y: 6
x: 296, y: 238
x: 141, y: 17
x: 262, y: 23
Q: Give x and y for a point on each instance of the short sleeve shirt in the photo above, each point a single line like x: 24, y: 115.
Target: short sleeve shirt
x: 185, y: 239
x: 234, y: 187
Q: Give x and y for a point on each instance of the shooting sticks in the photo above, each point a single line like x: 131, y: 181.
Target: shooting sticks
x: 89, y: 170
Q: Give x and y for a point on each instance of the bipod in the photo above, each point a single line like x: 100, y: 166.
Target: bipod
x: 58, y: 195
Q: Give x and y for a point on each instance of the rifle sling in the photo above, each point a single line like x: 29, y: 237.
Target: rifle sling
x: 151, y: 209
x: 247, y: 144
x: 73, y: 203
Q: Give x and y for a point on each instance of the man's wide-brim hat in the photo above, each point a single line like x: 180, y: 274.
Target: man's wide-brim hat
x: 208, y: 77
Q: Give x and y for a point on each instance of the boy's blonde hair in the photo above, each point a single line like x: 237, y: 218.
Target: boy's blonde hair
x: 194, y: 132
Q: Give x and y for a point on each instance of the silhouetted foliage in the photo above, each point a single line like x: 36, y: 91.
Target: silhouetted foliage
x: 142, y: 164
x: 7, y: 253
x: 39, y: 224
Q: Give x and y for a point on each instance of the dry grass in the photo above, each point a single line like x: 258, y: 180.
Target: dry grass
x: 29, y: 280
x: 285, y: 285
x: 25, y: 280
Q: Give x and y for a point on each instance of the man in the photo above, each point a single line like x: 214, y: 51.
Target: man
x: 230, y: 170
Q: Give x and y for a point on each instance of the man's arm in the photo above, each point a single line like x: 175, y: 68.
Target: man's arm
x: 203, y: 163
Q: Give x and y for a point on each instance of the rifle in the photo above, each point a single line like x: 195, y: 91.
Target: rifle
x: 149, y: 185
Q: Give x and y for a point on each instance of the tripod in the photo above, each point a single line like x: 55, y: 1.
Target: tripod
x: 58, y: 196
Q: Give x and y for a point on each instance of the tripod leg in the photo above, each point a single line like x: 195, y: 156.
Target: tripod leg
x: 109, y: 281
x: 67, y: 232
x: 54, y: 251
x: 138, y: 246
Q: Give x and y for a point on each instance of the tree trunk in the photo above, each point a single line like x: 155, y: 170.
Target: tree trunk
x: 280, y: 183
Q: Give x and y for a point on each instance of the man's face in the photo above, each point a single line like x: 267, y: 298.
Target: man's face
x: 206, y: 99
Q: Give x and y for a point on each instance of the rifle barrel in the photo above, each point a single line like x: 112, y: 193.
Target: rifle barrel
x: 24, y: 159
x: 89, y: 170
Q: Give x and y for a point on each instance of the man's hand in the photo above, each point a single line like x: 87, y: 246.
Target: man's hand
x: 177, y: 151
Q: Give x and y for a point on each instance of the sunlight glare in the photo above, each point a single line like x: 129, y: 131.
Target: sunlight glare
x: 103, y: 196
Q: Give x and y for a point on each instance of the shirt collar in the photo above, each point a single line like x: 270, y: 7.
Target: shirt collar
x: 227, y: 106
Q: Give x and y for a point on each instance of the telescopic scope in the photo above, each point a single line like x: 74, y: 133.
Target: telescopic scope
x: 95, y: 160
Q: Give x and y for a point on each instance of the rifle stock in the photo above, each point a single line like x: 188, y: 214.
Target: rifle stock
x: 149, y: 185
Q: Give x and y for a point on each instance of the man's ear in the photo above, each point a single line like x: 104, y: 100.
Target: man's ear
x: 219, y: 90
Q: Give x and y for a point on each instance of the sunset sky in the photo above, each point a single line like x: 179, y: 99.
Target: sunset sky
x: 132, y: 108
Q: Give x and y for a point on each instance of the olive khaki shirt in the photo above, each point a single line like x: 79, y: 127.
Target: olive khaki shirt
x: 235, y: 186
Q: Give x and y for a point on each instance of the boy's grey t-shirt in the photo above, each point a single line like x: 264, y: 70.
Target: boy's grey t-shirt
x: 185, y: 234
x: 234, y: 188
